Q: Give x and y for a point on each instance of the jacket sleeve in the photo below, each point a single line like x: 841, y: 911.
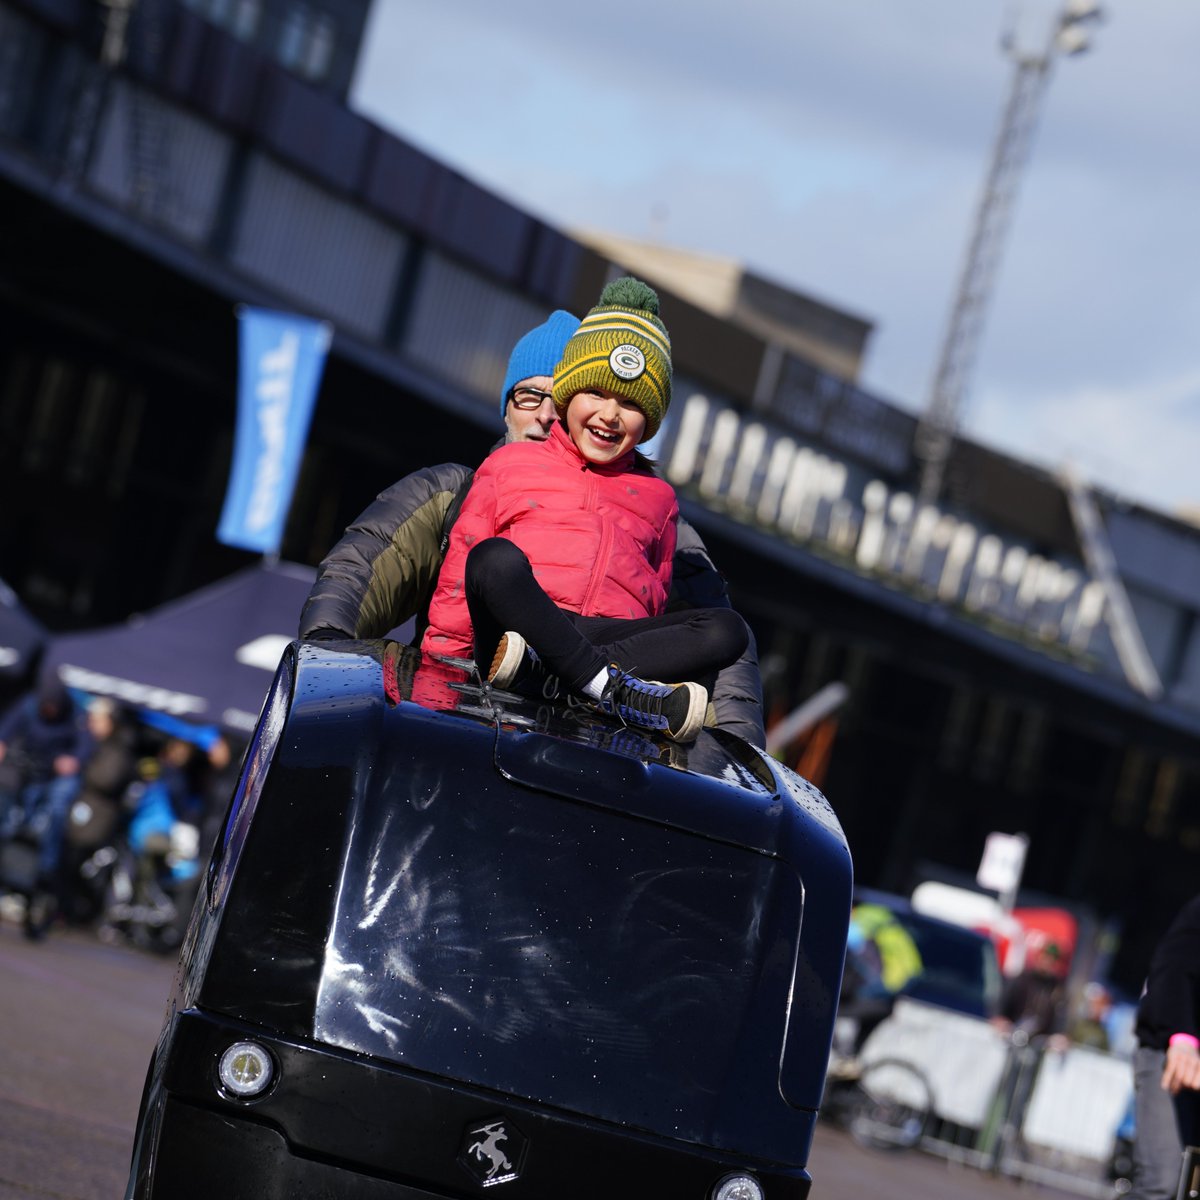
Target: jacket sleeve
x: 384, y: 568
x: 737, y: 697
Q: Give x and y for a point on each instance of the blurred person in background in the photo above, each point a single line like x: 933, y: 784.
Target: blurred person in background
x: 1035, y: 1000
x: 1090, y: 1027
x: 166, y: 800
x: 881, y: 957
x: 43, y: 744
x: 97, y: 812
x: 160, y: 863
x: 222, y: 764
x: 1166, y: 1063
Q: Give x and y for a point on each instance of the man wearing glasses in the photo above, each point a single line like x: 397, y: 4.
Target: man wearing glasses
x: 383, y: 570
x: 525, y: 401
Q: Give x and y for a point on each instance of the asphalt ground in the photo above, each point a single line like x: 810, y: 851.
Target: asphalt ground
x: 78, y: 1021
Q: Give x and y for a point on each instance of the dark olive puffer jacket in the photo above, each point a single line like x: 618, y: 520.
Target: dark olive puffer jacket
x: 383, y: 571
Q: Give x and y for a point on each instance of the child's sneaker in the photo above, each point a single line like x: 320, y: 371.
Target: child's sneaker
x: 674, y: 709
x: 508, y: 660
x: 515, y: 665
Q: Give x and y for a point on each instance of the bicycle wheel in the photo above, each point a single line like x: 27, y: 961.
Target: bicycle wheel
x: 892, y: 1106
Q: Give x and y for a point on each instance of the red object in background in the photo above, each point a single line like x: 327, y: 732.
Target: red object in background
x: 1008, y: 934
x: 1050, y: 938
x: 813, y: 763
x: 1038, y: 939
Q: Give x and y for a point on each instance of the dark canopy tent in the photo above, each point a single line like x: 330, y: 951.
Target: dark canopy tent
x: 21, y: 637
x: 207, y: 658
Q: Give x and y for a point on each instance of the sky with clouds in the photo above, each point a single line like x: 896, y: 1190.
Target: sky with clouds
x: 840, y: 147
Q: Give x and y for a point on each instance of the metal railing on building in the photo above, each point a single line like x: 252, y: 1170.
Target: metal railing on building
x: 763, y: 475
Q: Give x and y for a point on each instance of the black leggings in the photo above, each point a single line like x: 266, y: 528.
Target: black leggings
x: 502, y: 594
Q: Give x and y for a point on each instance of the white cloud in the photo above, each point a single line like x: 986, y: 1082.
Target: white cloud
x: 1140, y: 442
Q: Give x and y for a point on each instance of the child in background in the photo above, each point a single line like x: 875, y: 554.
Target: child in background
x: 560, y: 561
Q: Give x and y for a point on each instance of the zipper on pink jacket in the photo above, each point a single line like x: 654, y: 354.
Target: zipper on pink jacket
x: 600, y: 566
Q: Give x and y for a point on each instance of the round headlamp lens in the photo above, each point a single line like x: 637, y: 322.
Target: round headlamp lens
x: 245, y: 1069
x: 738, y: 1187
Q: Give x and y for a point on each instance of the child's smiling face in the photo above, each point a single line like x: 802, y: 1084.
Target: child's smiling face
x: 604, y: 425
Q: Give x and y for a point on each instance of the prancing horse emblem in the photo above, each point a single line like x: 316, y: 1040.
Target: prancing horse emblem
x: 489, y: 1150
x: 493, y: 1152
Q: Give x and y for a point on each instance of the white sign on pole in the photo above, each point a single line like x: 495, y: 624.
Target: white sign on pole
x: 1003, y: 861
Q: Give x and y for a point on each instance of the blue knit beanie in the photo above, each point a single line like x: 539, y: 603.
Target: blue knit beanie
x: 538, y: 352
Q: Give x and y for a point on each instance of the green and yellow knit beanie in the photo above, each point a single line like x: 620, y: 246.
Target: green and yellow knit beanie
x: 621, y: 346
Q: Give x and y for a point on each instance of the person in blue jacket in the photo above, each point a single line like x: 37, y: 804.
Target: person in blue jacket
x: 43, y: 743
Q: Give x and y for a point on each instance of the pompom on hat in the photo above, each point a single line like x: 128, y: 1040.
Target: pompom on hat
x: 538, y: 352
x: 621, y: 346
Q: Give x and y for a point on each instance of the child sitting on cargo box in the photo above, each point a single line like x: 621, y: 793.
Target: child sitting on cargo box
x: 560, y: 561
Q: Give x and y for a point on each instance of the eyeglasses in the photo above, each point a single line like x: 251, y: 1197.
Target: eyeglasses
x: 528, y: 398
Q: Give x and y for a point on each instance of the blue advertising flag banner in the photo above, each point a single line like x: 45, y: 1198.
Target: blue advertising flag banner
x: 281, y: 357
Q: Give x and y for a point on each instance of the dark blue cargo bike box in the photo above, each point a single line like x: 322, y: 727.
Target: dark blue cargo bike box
x: 455, y: 942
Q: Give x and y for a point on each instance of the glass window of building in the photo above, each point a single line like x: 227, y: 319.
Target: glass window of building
x: 306, y: 41
x: 239, y: 17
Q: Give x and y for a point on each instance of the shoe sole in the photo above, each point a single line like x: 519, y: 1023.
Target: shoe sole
x: 697, y: 710
x: 697, y: 713
x: 510, y: 653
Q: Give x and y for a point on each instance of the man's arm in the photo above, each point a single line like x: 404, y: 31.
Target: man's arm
x: 696, y: 583
x: 384, y: 568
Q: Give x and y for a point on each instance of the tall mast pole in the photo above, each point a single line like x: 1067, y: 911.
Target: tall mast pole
x: 940, y: 420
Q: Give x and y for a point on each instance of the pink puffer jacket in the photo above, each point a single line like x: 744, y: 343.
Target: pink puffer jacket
x: 600, y: 538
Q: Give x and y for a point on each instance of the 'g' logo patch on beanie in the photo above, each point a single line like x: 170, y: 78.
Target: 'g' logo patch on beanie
x: 621, y: 346
x: 627, y: 361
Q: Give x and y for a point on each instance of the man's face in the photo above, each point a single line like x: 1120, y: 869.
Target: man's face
x: 529, y: 413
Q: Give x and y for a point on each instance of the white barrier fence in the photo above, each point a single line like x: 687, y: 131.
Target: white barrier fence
x: 1022, y: 1109
x: 1077, y: 1103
